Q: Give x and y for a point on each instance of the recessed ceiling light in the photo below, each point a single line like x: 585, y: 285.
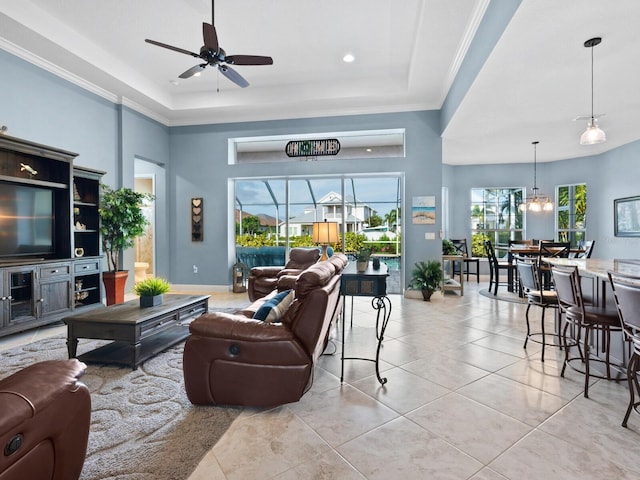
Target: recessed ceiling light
x: 369, y: 150
x: 348, y: 58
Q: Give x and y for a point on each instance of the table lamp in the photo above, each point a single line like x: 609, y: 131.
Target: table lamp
x: 325, y: 233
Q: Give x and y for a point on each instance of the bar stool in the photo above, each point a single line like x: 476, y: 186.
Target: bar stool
x: 530, y: 283
x: 590, y: 318
x: 626, y: 293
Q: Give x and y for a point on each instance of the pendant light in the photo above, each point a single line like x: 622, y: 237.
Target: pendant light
x: 593, y: 134
x: 537, y: 202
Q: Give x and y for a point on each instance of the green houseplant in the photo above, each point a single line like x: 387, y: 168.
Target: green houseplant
x: 151, y: 290
x: 448, y: 248
x: 122, y: 220
x: 362, y: 259
x: 427, y: 277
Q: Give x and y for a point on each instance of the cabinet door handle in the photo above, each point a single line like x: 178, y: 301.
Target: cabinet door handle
x: 3, y: 298
x: 41, y: 300
x: 9, y: 297
x: 85, y: 267
x: 54, y: 271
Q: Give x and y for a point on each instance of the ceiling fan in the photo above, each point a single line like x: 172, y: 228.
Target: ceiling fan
x: 212, y: 54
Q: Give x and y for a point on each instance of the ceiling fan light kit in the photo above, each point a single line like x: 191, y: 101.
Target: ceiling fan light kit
x: 212, y: 54
x: 537, y: 202
x: 593, y: 134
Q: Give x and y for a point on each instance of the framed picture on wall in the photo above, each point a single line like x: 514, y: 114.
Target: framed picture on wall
x: 626, y: 217
x: 423, y: 210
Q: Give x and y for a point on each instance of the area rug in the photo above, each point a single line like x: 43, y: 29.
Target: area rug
x: 143, y: 427
x: 504, y: 296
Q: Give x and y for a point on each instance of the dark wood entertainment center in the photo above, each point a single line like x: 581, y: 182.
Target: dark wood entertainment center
x: 50, y: 258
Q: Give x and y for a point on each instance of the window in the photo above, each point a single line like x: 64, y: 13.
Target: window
x: 495, y: 216
x: 571, y: 214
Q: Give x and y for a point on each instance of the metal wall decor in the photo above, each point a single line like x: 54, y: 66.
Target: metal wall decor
x: 312, y: 148
x: 196, y: 220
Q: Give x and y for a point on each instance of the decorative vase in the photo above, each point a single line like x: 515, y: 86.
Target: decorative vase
x: 426, y: 294
x: 376, y: 263
x: 114, y: 283
x: 151, y: 301
x: 361, y: 266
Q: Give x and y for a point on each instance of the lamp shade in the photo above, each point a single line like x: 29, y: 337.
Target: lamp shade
x: 325, y: 232
x: 593, y: 134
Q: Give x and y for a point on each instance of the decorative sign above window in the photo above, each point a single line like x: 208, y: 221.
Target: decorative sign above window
x: 312, y: 148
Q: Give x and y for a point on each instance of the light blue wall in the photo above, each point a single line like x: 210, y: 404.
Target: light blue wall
x: 199, y: 168
x: 614, y: 174
x: 43, y: 108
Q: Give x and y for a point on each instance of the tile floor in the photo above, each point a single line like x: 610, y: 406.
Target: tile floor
x: 463, y: 400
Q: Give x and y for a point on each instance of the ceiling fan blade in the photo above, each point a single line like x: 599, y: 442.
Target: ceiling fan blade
x: 248, y: 60
x: 170, y: 47
x: 193, y: 70
x: 232, y: 75
x: 210, y: 37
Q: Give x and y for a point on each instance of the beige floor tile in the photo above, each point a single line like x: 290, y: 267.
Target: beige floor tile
x: 481, y: 357
x: 540, y: 455
x: 403, y: 450
x: 403, y: 392
x: 267, y: 444
x: 522, y: 402
x: 467, y: 424
x: 446, y: 371
x: 341, y: 414
x: 329, y: 466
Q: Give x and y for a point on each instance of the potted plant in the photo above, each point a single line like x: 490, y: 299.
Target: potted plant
x: 448, y: 248
x: 427, y: 277
x: 122, y: 220
x: 362, y: 259
x: 151, y: 290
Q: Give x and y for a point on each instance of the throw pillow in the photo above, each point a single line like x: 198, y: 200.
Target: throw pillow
x: 273, y: 309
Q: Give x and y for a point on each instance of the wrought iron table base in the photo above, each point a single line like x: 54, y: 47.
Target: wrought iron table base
x: 382, y: 306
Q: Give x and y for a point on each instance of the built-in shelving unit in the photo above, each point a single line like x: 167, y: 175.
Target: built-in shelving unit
x: 50, y: 256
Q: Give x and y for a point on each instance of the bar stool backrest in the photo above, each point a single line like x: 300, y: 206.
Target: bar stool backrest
x: 528, y: 274
x: 626, y: 293
x: 568, y: 289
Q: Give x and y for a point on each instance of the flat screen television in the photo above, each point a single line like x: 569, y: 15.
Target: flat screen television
x: 26, y: 220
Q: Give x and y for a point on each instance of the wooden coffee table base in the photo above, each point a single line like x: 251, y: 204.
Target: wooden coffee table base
x: 137, y: 333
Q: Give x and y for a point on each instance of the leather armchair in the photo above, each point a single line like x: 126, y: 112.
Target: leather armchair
x: 264, y: 280
x: 44, y: 426
x: 233, y: 359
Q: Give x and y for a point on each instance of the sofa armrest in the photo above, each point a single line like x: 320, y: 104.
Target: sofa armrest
x: 29, y: 391
x: 269, y: 271
x: 290, y: 271
x: 229, y: 326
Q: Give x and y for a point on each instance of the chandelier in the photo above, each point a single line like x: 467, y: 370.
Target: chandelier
x: 537, y: 202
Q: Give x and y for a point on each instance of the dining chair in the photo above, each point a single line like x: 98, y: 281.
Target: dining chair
x: 588, y: 322
x: 496, y: 266
x: 530, y: 282
x: 626, y: 293
x: 461, y: 249
x: 551, y: 249
x: 588, y: 249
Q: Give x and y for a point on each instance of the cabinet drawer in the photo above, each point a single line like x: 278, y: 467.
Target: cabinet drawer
x: 86, y: 267
x: 54, y: 270
x: 157, y: 325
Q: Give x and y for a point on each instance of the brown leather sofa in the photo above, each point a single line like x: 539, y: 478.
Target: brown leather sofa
x: 233, y: 359
x: 44, y: 425
x: 263, y: 280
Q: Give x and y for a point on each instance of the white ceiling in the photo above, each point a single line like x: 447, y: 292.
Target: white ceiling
x: 535, y: 81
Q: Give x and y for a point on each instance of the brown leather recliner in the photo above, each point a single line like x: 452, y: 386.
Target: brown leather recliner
x: 44, y: 425
x: 232, y: 359
x: 263, y: 280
